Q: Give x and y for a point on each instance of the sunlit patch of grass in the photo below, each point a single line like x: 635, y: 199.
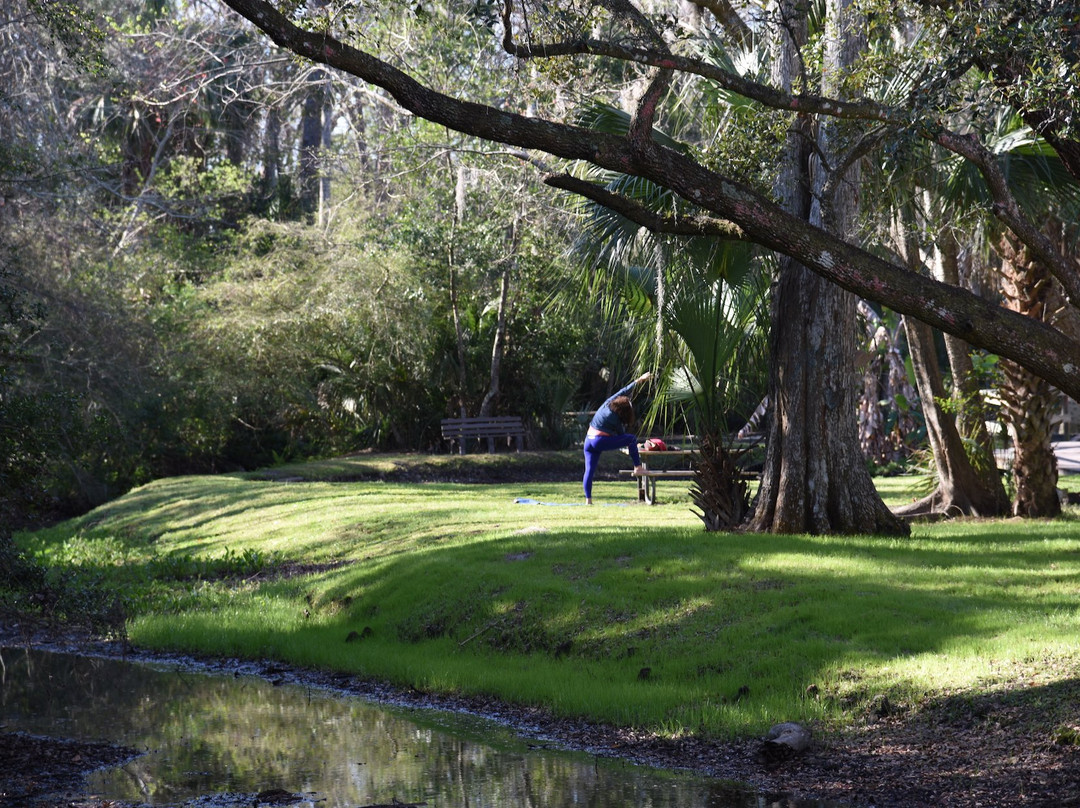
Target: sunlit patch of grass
x: 902, y: 489
x: 411, y: 467
x: 629, y: 614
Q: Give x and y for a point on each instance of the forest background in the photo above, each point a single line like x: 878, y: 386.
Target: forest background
x: 215, y: 255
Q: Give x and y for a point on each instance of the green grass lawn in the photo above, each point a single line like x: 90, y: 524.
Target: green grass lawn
x: 620, y: 612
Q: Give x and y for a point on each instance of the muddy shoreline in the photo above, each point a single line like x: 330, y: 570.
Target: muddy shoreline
x: 1003, y: 749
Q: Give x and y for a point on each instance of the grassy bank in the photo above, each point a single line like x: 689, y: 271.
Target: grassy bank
x: 620, y: 612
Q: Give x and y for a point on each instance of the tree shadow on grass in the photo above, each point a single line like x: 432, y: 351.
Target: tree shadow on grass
x: 705, y: 618
x: 693, y: 618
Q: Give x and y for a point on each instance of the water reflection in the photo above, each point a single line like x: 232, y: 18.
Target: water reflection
x: 206, y: 734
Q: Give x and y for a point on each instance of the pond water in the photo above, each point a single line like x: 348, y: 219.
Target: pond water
x: 205, y: 734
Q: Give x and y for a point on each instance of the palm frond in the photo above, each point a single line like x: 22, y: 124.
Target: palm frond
x: 611, y: 120
x: 721, y: 345
x: 1034, y: 172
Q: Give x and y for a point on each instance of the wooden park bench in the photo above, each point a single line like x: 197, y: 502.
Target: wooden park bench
x: 491, y: 427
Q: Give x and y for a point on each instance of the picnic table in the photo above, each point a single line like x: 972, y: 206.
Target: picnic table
x: 646, y: 481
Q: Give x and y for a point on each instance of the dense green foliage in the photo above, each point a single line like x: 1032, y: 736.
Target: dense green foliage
x: 219, y: 256
x: 199, y: 304
x: 288, y: 341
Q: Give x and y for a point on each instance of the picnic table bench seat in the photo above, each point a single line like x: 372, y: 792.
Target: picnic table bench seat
x: 646, y: 481
x: 656, y: 465
x: 489, y: 427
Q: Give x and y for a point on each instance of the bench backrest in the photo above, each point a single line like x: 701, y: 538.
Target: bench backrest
x: 493, y: 420
x: 483, y: 427
x: 495, y: 426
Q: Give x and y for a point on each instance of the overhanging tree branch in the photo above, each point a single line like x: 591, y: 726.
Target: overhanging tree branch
x: 729, y: 18
x: 1007, y: 210
x: 649, y: 103
x: 686, y: 225
x: 1005, y: 207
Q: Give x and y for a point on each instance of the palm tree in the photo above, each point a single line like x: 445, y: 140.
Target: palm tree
x: 1046, y: 191
x: 1028, y: 402
x: 930, y: 203
x: 700, y: 307
x: 718, y: 371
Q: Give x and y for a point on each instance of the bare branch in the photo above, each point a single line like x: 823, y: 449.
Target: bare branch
x: 772, y: 97
x: 684, y: 225
x: 729, y: 18
x: 641, y: 124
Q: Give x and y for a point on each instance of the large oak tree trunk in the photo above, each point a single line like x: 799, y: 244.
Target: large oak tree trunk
x: 814, y: 479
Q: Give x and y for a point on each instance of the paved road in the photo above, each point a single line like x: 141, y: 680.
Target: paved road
x: 1068, y: 456
x: 1066, y: 451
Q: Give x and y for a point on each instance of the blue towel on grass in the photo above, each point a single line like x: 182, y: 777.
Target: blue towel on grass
x: 528, y: 501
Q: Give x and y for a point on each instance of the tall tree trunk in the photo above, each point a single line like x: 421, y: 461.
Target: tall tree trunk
x: 455, y: 305
x: 498, y: 347
x: 314, y: 117
x: 961, y: 489
x: 327, y: 142
x: 971, y: 408
x: 971, y: 417
x: 271, y: 155
x: 1029, y: 402
x: 814, y: 479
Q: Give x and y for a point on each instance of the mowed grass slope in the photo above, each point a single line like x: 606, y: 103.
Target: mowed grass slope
x: 620, y: 612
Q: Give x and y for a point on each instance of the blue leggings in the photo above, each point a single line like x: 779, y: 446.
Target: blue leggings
x: 597, y: 444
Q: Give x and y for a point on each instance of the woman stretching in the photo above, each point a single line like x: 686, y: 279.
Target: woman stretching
x: 608, y: 430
